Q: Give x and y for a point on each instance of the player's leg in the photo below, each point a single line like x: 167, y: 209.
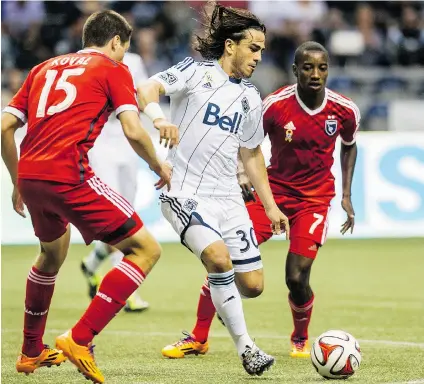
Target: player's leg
x: 127, y: 179
x: 307, y: 235
x: 202, y: 237
x: 101, y: 214
x: 106, y: 166
x: 54, y: 234
x: 249, y: 282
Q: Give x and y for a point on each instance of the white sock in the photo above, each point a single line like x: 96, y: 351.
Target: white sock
x: 96, y: 257
x: 227, y: 301
x: 116, y: 257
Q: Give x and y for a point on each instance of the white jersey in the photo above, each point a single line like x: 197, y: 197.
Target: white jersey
x: 113, y: 129
x: 216, y: 114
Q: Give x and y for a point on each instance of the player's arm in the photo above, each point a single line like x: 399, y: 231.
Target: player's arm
x: 9, y: 153
x: 141, y: 142
x: 348, y: 154
x: 173, y: 81
x: 254, y: 164
x: 243, y: 180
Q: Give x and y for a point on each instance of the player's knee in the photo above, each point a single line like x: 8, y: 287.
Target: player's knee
x: 216, y: 258
x: 252, y: 290
x: 295, y: 281
x: 250, y: 285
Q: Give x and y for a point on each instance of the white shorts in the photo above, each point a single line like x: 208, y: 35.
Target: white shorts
x: 117, y: 168
x: 202, y: 221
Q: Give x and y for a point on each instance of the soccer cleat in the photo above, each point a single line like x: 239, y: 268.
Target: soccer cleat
x: 47, y: 358
x: 255, y: 361
x: 81, y: 356
x: 300, y: 348
x: 93, y: 280
x: 135, y: 304
x: 186, y: 346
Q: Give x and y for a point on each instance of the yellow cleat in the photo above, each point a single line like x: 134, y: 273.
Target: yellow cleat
x: 300, y: 348
x: 186, y: 346
x: 81, y: 356
x: 47, y: 358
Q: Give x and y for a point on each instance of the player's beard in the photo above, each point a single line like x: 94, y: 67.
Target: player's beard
x: 239, y: 63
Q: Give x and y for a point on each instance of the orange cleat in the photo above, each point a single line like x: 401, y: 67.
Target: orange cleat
x: 300, y: 348
x: 47, y: 358
x: 186, y: 346
x: 81, y: 356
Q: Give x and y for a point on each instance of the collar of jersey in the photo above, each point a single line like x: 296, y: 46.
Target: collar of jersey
x: 219, y: 68
x: 308, y: 110
x: 90, y: 50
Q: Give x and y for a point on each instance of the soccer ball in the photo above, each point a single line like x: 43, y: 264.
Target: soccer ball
x: 336, y: 355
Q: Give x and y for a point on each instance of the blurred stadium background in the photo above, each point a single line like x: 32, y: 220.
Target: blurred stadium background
x: 371, y: 284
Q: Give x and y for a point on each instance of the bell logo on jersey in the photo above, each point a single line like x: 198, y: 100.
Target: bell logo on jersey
x: 330, y: 125
x: 226, y: 123
x: 289, y: 131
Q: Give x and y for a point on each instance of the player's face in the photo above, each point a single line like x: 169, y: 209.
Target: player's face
x: 312, y: 71
x: 248, y: 53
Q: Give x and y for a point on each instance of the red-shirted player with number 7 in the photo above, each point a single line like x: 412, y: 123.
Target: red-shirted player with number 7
x: 303, y: 122
x: 66, y: 101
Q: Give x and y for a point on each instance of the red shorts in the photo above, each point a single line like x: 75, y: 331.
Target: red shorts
x: 97, y: 211
x: 308, y: 223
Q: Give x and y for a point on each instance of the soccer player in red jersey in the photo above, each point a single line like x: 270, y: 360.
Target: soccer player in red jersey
x: 66, y: 101
x: 303, y: 122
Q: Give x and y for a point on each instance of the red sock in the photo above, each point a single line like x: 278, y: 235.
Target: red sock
x: 39, y: 292
x: 205, y: 313
x: 301, y: 318
x: 116, y: 287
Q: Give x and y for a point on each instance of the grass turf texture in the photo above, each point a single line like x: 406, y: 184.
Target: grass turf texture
x: 373, y: 289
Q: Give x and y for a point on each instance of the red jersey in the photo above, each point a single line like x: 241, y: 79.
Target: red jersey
x: 66, y: 101
x: 303, y: 142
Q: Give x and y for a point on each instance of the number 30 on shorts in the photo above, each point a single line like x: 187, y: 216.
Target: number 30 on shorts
x: 246, y: 240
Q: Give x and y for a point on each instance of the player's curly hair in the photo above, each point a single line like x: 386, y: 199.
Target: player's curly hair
x: 102, y: 26
x: 225, y: 23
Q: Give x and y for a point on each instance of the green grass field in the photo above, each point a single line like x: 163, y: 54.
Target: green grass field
x: 373, y: 289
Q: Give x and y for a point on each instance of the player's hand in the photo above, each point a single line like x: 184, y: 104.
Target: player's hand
x: 168, y: 132
x: 246, y: 187
x: 18, y: 203
x: 350, y: 222
x: 279, y: 222
x: 165, y: 175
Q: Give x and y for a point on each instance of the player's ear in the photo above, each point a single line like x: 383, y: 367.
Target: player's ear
x: 294, y: 67
x: 229, y: 46
x: 115, y: 41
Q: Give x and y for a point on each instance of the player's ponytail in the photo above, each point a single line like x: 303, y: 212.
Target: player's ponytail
x: 222, y: 24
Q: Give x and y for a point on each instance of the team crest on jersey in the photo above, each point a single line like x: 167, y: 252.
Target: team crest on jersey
x: 168, y: 77
x: 330, y: 127
x: 289, y: 127
x: 190, y: 205
x: 245, y: 104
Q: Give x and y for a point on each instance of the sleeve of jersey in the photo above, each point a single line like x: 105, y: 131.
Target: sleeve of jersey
x: 121, y: 91
x: 18, y: 106
x: 351, y: 125
x: 176, y: 79
x: 253, y: 131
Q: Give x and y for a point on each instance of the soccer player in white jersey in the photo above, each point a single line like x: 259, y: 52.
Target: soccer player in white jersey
x: 218, y: 113
x: 116, y: 164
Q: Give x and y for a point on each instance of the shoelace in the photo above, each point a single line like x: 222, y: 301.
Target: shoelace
x: 91, y: 350
x: 188, y: 338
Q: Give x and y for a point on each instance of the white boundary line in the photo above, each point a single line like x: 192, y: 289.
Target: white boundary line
x: 226, y: 335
